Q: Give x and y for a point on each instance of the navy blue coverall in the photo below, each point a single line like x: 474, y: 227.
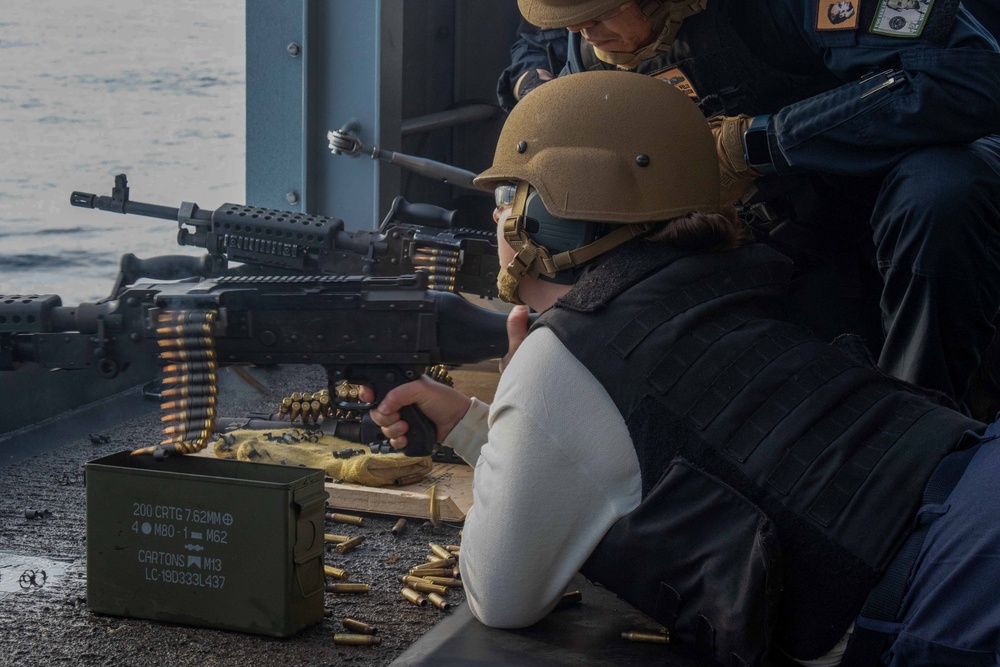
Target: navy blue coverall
x: 872, y: 136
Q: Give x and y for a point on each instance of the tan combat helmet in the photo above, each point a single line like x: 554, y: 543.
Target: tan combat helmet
x: 610, y: 147
x: 562, y: 13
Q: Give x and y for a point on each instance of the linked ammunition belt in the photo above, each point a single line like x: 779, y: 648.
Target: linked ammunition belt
x: 190, y: 383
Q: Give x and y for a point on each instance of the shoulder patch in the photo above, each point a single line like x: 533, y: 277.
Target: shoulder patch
x: 837, y: 15
x: 901, y: 18
x: 676, y: 77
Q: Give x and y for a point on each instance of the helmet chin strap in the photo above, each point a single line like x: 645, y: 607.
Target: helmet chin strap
x: 672, y: 13
x: 533, y: 260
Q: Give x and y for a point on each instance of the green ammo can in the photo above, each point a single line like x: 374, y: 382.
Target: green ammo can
x: 209, y: 542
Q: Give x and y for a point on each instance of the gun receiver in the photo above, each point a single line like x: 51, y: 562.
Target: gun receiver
x: 376, y: 331
x: 413, y: 237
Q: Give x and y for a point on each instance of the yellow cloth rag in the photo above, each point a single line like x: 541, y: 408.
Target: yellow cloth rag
x: 319, y: 452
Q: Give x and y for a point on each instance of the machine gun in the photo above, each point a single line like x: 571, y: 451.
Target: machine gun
x: 375, y: 331
x: 270, y: 241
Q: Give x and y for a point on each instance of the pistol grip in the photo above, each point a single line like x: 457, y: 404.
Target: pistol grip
x: 422, y: 434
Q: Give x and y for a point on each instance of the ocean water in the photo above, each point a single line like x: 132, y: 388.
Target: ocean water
x: 92, y: 89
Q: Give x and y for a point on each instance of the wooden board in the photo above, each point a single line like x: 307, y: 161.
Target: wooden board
x: 453, y: 491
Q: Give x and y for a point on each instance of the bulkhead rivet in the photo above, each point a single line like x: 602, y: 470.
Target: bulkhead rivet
x: 522, y: 146
x: 642, y: 160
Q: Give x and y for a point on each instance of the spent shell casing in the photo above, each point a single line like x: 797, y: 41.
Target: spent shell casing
x: 182, y: 355
x: 411, y: 579
x: 191, y: 378
x: 356, y: 640
x: 435, y: 564
x: 348, y: 589
x: 188, y: 367
x: 449, y: 582
x: 336, y: 539
x: 432, y: 572
x: 359, y: 627
x: 569, y: 599
x: 414, y: 597
x: 345, y: 518
x: 428, y: 587
x: 334, y: 572
x: 453, y: 548
x: 439, y: 551
x: 398, y: 528
x: 439, y: 602
x: 350, y: 544
x: 647, y: 637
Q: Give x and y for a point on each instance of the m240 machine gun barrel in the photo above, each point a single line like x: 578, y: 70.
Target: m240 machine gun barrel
x: 412, y: 238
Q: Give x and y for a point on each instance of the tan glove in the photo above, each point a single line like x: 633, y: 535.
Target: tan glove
x: 366, y: 469
x: 735, y: 174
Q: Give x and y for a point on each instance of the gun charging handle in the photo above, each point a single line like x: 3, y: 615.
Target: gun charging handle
x: 344, y: 142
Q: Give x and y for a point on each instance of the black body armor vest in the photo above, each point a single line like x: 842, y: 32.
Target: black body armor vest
x: 780, y: 474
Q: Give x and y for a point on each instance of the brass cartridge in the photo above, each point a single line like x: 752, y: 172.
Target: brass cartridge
x: 286, y: 405
x: 189, y: 403
x: 185, y: 317
x: 435, y: 564
x: 359, y: 627
x: 347, y: 589
x: 345, y: 518
x: 350, y: 544
x: 335, y: 572
x: 648, y: 637
x: 190, y: 427
x: 439, y: 602
x: 185, y: 355
x: 181, y: 330
x: 356, y: 640
x: 398, y: 528
x: 182, y: 391
x: 453, y: 548
x: 336, y: 539
x: 414, y: 597
x: 188, y: 367
x: 428, y: 588
x: 411, y: 579
x: 439, y: 551
x: 448, y: 582
x: 294, y: 411
x: 191, y: 379
x: 188, y: 415
x: 433, y: 572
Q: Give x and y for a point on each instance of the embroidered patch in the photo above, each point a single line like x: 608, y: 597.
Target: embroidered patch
x: 676, y: 78
x: 837, y: 15
x: 901, y: 18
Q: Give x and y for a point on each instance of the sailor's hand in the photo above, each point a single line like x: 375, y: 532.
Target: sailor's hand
x: 440, y: 403
x: 735, y: 174
x: 517, y: 331
x: 530, y: 80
